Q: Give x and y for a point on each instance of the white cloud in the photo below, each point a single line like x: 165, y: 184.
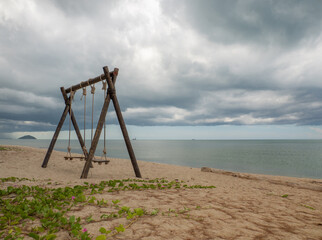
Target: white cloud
x: 158, y: 115
x: 247, y: 119
x: 300, y: 67
x: 18, y: 124
x: 243, y: 99
x: 26, y: 99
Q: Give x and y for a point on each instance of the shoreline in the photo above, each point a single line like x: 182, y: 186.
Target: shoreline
x: 241, y: 206
x: 208, y: 169
x: 59, y: 155
x: 218, y: 170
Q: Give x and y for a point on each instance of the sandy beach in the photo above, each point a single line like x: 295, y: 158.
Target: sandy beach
x: 242, y: 206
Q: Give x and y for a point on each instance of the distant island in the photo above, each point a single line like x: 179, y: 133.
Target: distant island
x: 27, y: 137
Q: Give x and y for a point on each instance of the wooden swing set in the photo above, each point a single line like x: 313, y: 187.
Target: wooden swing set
x: 109, y: 94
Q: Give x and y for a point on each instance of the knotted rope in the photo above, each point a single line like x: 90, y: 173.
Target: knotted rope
x: 92, y: 92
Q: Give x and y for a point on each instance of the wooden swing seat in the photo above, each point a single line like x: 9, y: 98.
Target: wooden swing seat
x: 99, y: 161
x: 71, y: 158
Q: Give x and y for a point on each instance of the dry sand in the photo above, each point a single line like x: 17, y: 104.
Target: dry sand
x: 242, y: 206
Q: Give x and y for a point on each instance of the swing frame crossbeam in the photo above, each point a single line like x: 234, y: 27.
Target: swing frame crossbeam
x: 110, y: 78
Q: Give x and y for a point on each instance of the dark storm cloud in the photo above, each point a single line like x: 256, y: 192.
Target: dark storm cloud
x: 181, y: 62
x: 277, y: 23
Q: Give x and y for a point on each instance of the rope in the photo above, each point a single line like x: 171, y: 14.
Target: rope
x: 92, y: 92
x: 104, y: 87
x: 70, y: 121
x: 84, y: 95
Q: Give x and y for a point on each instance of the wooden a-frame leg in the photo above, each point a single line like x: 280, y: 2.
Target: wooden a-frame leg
x: 54, y: 139
x: 98, y: 131
x: 122, y: 123
x: 58, y: 129
x: 79, y: 135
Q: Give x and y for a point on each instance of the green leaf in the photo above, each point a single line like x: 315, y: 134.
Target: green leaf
x: 34, y: 236
x: 63, y: 220
x: 120, y: 228
x: 100, y: 237
x: 91, y: 200
x: 130, y: 216
x: 154, y: 212
x: 14, y: 223
x: 309, y: 207
x: 51, y: 236
x: 125, y: 209
x: 139, y: 211
x: 85, y: 236
x: 89, y: 219
x: 104, y: 216
x: 74, y: 232
x: 102, y: 230
x: 72, y: 219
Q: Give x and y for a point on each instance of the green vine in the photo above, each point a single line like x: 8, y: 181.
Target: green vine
x: 49, y: 209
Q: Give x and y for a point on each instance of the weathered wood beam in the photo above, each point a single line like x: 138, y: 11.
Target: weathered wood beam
x: 112, y: 93
x: 87, y: 83
x: 54, y: 139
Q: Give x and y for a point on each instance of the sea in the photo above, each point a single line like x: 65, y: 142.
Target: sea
x: 294, y: 158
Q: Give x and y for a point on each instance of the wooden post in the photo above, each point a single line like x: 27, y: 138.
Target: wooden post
x: 112, y: 93
x: 98, y: 131
x: 54, y: 139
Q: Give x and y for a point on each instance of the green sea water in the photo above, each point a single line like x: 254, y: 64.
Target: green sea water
x: 296, y: 158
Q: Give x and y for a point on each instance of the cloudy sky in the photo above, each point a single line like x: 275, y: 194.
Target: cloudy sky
x: 188, y: 69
